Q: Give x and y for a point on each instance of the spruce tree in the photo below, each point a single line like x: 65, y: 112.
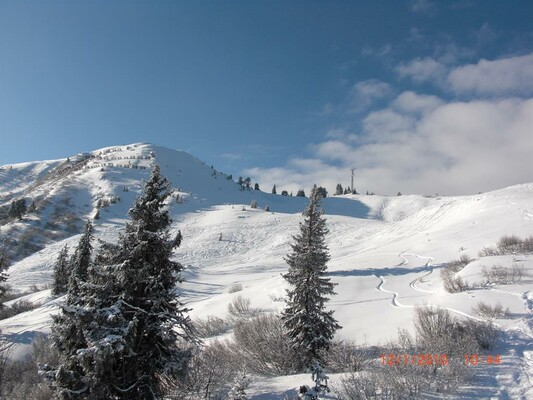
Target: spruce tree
x: 309, y: 326
x: 156, y: 325
x: 4, y: 265
x: 68, y: 326
x: 274, y: 191
x: 61, y: 272
x: 18, y: 209
x: 339, y: 190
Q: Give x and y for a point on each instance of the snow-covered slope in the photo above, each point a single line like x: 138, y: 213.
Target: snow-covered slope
x: 386, y: 252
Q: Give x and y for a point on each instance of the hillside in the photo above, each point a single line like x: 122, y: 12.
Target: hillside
x: 386, y: 252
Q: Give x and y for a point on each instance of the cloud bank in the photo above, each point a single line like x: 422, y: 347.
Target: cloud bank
x: 480, y: 140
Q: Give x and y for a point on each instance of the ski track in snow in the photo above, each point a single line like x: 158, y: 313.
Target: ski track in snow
x: 394, y: 300
x: 395, y: 296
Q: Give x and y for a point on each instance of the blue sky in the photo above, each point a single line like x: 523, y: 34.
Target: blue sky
x: 419, y: 96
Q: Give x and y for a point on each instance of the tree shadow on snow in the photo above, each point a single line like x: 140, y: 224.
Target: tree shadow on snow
x: 21, y: 338
x: 387, y: 271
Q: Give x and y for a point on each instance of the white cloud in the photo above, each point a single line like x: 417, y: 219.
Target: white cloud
x: 377, y: 51
x: 424, y: 144
x: 365, y: 93
x: 416, y: 103
x: 449, y: 148
x: 426, y: 7
x: 423, y: 70
x: 512, y: 75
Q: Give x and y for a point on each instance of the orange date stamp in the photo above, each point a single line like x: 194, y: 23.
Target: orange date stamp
x: 429, y: 359
x: 414, y: 359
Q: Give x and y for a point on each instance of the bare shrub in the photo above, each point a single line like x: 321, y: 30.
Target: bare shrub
x: 209, y: 374
x: 485, y: 334
x: 235, y: 287
x: 211, y: 326
x: 347, y: 357
x: 21, y: 379
x: 465, y: 259
x: 488, y: 311
x: 487, y: 252
x: 17, y: 308
x: 240, y: 308
x: 527, y: 245
x: 360, y: 387
x: 501, y: 276
x: 262, y: 345
x: 276, y: 298
x: 452, y: 283
x: 509, y: 245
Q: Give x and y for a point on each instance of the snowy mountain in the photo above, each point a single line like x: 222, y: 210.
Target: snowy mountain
x: 386, y: 252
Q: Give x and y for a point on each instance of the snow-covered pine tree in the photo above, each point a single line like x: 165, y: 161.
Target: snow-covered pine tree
x: 4, y: 265
x: 274, y: 191
x: 68, y: 326
x: 157, y: 326
x: 61, y: 272
x: 310, y: 327
x: 339, y: 190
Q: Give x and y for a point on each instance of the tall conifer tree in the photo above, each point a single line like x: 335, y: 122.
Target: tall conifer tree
x: 310, y: 327
x: 61, y: 272
x: 158, y: 324
x: 69, y: 325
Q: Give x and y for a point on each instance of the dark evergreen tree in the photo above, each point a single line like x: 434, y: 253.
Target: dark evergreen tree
x: 339, y: 190
x: 310, y: 327
x: 256, y: 186
x: 300, y: 193
x: 322, y: 192
x: 156, y: 344
x: 4, y: 265
x: 32, y: 208
x: 61, y: 272
x: 284, y: 193
x: 152, y: 327
x: 18, y: 209
x: 248, y: 183
x: 274, y: 190
x: 128, y: 330
x: 240, y: 182
x: 68, y: 326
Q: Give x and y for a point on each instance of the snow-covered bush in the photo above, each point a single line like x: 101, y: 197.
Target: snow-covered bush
x: 20, y: 379
x: 209, y: 375
x: 240, y: 308
x: 261, y: 344
x: 211, y: 326
x: 509, y: 245
x: 499, y: 275
x: 17, y: 308
x: 253, y: 204
x: 485, y: 334
x: 452, y: 283
x: 491, y: 312
x: 235, y: 287
x: 348, y: 357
